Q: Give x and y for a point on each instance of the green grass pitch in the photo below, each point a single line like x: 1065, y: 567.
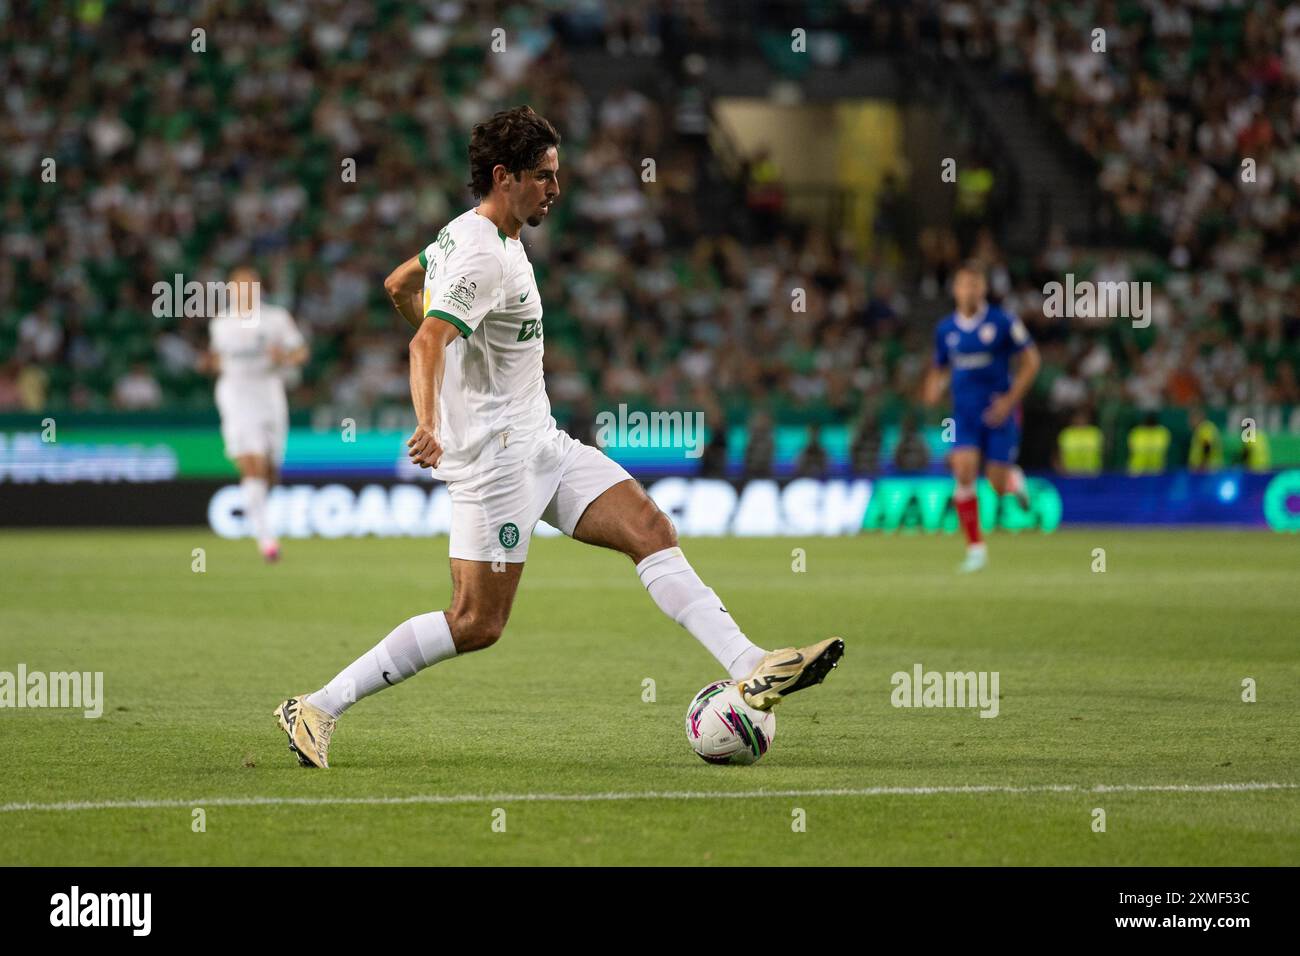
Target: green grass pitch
x: 1131, y: 678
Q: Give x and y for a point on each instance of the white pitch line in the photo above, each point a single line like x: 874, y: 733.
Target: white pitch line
x: 450, y: 799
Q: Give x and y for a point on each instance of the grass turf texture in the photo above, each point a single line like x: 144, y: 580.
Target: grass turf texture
x: 1132, y: 676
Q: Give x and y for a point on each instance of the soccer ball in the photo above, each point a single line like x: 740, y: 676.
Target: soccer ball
x: 722, y: 728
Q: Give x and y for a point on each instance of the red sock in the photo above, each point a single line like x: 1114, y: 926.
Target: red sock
x: 968, y: 513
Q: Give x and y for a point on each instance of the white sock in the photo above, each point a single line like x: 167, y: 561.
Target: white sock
x: 255, y: 506
x: 413, y: 645
x: 679, y: 592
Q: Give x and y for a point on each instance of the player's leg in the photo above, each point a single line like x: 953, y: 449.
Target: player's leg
x: 623, y: 517
x: 1007, y: 479
x: 254, y: 482
x: 245, y: 436
x: 481, y: 599
x: 492, y: 517
x: 246, y: 445
x: 965, y: 461
x: 276, y: 437
x: 1000, y: 466
x: 482, y: 595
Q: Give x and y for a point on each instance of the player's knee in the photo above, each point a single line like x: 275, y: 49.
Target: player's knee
x: 966, y: 474
x: 474, y: 632
x: 656, y: 532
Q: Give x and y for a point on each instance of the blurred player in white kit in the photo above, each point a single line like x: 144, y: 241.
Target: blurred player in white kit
x: 252, y: 346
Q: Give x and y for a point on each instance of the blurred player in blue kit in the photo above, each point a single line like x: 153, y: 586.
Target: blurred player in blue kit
x: 975, y: 347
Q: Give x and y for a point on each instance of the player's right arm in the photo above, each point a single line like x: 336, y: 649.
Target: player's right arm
x: 471, y: 284
x: 936, y: 380
x: 937, y: 375
x: 208, y: 362
x: 405, y: 287
x: 428, y: 350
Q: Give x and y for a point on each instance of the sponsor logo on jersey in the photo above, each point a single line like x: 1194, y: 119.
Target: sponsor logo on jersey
x: 462, y: 292
x: 445, y: 242
x: 970, y: 360
x: 531, y: 329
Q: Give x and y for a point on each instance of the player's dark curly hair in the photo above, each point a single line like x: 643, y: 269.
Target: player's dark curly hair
x: 516, y: 139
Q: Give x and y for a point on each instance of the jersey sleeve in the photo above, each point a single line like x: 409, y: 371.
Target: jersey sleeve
x: 290, y: 336
x: 467, y: 287
x: 940, y: 347
x: 1018, y: 338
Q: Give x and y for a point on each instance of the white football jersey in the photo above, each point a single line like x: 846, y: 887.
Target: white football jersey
x: 493, y: 400
x: 243, y: 344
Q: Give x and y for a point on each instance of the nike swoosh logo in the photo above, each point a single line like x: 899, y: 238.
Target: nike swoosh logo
x: 797, y: 659
x: 384, y: 675
x: 525, y: 295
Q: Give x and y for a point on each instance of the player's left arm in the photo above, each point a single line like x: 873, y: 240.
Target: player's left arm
x: 1028, y: 362
x: 293, y: 356
x: 292, y: 348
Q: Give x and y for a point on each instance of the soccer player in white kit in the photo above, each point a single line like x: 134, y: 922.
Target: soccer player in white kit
x: 485, y: 428
x: 251, y: 345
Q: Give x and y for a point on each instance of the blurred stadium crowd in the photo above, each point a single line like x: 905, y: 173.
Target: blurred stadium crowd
x: 173, y: 161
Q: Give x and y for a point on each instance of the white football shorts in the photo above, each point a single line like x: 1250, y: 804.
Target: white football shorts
x: 493, y: 513
x: 254, y: 420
